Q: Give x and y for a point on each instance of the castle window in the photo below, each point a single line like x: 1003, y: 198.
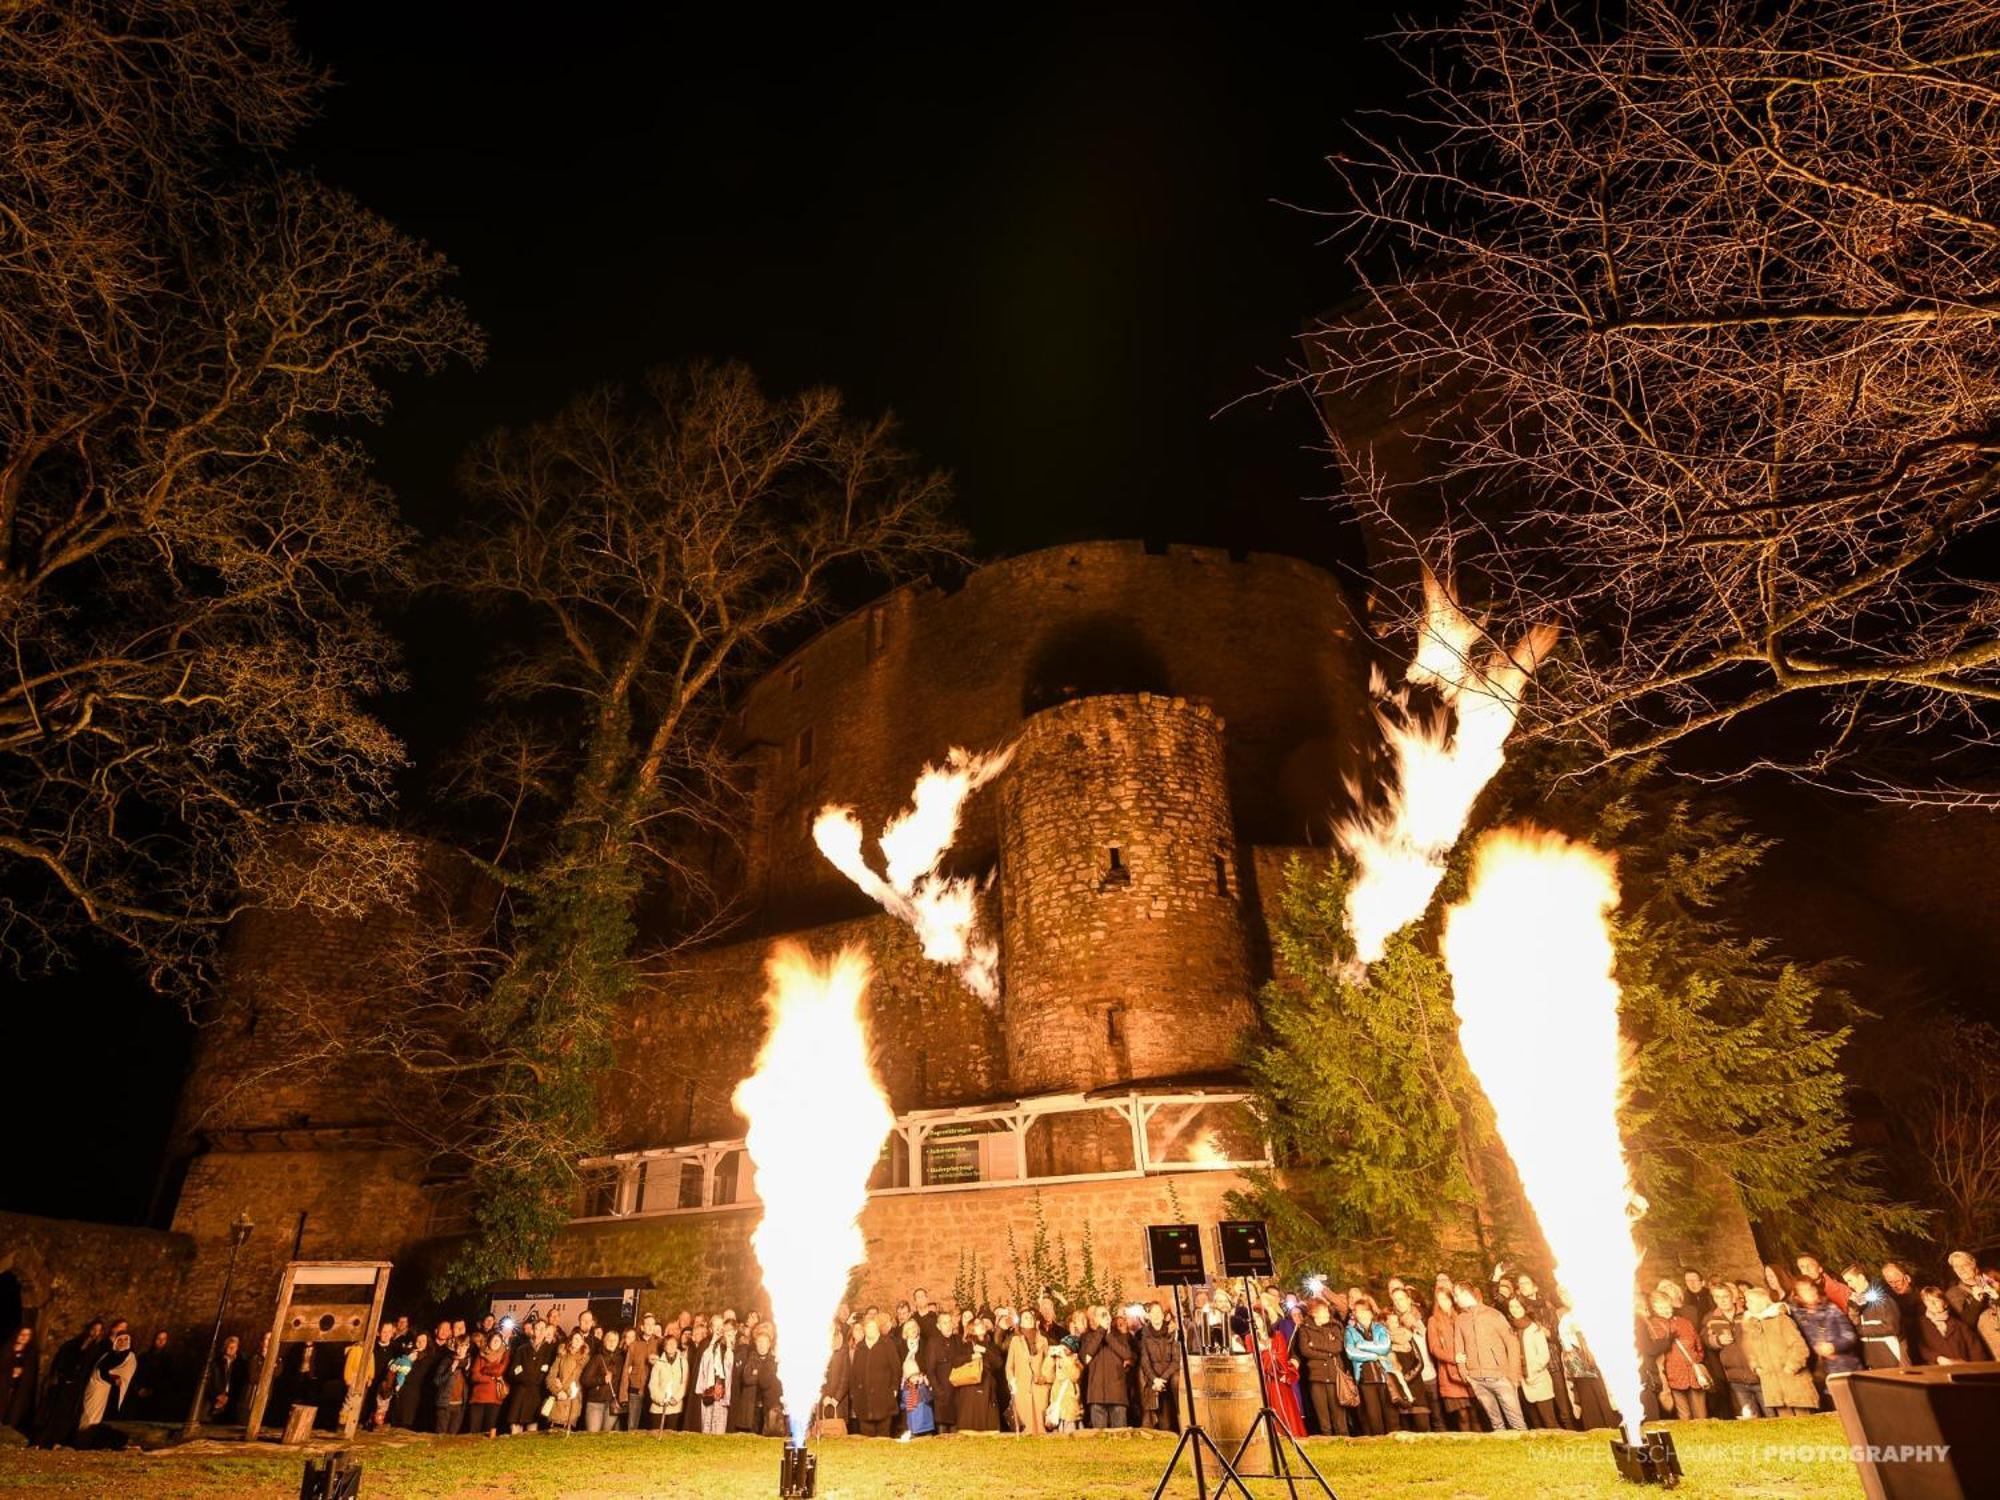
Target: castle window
x: 798, y: 676
x: 1115, y: 872
x: 805, y: 747
x: 878, y: 630
x: 1114, y: 1026
x: 1222, y: 877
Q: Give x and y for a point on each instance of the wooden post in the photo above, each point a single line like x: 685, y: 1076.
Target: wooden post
x: 262, y: 1393
x: 357, y: 1389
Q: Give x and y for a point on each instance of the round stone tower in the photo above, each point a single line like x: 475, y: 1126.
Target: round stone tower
x: 1124, y: 948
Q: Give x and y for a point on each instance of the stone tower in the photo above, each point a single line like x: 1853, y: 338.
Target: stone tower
x: 1123, y: 936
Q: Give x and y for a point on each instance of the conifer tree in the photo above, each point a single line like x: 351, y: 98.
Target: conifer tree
x: 1734, y: 1060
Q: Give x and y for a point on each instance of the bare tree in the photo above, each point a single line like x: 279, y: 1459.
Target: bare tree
x: 182, y: 328
x: 1956, y: 1123
x: 1693, y: 311
x: 646, y: 548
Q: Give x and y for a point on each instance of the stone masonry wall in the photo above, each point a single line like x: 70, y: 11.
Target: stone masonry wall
x: 1269, y: 641
x: 71, y: 1272
x: 1121, y: 897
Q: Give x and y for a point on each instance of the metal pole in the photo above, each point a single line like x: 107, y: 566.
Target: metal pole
x: 1250, y: 1309
x: 1187, y: 1389
x: 238, y: 1233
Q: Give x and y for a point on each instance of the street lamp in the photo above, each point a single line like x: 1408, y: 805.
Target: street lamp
x: 238, y: 1233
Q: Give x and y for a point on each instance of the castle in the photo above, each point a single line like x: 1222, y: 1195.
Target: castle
x: 1184, y: 722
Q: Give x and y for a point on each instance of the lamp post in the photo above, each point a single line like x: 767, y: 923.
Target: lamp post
x: 238, y: 1233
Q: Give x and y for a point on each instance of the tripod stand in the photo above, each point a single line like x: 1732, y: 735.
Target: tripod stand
x: 1194, y: 1439
x: 1274, y: 1429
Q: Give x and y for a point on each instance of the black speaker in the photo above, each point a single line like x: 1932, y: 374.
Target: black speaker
x: 1173, y: 1251
x: 1245, y: 1249
x: 1923, y: 1434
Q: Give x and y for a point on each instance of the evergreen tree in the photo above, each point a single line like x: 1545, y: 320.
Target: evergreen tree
x: 1734, y: 1061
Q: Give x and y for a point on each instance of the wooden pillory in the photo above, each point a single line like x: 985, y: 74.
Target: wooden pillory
x: 315, y: 1319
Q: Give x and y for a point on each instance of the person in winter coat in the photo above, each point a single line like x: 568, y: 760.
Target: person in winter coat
x: 924, y: 1367
x: 529, y: 1362
x: 1489, y: 1352
x: 1108, y: 1358
x: 1027, y: 1392
x: 451, y: 1378
x: 17, y: 1382
x: 975, y: 1404
x: 876, y: 1380
x: 715, y: 1379
x: 1828, y: 1331
x: 756, y: 1401
x: 1366, y: 1342
x: 1321, y: 1350
x: 1159, y: 1373
x: 489, y: 1387
x: 1538, y: 1380
x: 1681, y: 1370
x: 1454, y: 1409
x: 666, y: 1382
x: 603, y: 1388
x: 564, y: 1382
x: 1942, y: 1336
x: 1878, y: 1320
x: 1777, y: 1352
x: 1722, y: 1336
x: 1063, y: 1374
x: 1972, y: 1291
x: 835, y: 1386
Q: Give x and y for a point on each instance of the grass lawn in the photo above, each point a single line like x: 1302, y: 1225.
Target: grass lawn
x: 1797, y: 1459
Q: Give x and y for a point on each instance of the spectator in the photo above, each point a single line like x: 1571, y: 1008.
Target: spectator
x: 564, y: 1382
x: 411, y: 1368
x: 640, y: 1348
x: 532, y: 1356
x: 17, y: 1382
x: 1973, y: 1292
x: 1489, y: 1353
x: 1942, y: 1337
x: 1778, y: 1353
x: 1108, y: 1358
x: 916, y: 1390
x: 1722, y: 1332
x: 1366, y: 1341
x: 1828, y: 1331
x: 153, y: 1382
x: 1159, y: 1373
x: 69, y: 1372
x: 603, y: 1388
x: 228, y: 1379
x: 1441, y: 1337
x: 715, y: 1380
x: 451, y: 1378
x: 1538, y: 1385
x: 1909, y: 1304
x: 1878, y: 1320
x: 667, y: 1382
x: 1027, y: 1390
x: 110, y: 1378
x: 1831, y: 1288
x: 1682, y: 1372
x: 1412, y: 1379
x: 489, y: 1386
x: 756, y: 1400
x: 1322, y: 1353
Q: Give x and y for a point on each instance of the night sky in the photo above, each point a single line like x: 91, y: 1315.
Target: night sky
x: 1067, y: 247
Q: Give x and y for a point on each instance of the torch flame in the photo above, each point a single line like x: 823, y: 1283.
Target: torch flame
x: 1530, y: 955
x: 1442, y: 763
x: 817, y: 1120
x: 941, y: 909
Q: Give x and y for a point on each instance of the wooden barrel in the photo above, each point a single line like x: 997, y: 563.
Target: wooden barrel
x: 1226, y: 1402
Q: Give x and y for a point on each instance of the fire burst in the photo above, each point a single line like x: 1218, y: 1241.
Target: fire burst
x: 941, y: 909
x: 1441, y: 761
x: 817, y: 1121
x: 1529, y: 951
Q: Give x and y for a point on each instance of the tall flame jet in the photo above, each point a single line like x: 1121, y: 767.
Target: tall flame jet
x: 942, y: 909
x: 817, y: 1121
x: 1530, y: 953
x: 1441, y: 761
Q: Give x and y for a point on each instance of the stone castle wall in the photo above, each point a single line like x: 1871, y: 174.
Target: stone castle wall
x: 1121, y: 898
x: 853, y: 716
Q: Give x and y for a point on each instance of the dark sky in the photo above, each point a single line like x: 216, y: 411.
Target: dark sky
x: 1051, y: 240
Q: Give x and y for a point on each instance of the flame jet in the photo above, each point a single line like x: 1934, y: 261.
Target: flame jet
x: 817, y: 1121
x: 1530, y: 954
x: 1441, y: 762
x: 941, y: 909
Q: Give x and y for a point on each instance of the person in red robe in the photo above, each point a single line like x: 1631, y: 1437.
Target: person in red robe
x: 1280, y: 1376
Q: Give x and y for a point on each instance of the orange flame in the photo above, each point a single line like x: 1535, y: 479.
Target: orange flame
x: 941, y: 909
x: 1442, y: 762
x: 817, y: 1121
x: 1530, y: 955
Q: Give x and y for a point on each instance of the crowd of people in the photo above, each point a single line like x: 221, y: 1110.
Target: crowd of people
x: 1449, y: 1355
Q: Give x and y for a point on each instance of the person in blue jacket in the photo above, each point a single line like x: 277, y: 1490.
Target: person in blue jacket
x: 1367, y: 1348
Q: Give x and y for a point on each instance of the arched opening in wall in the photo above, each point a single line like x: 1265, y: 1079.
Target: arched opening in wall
x: 13, y: 1309
x: 1092, y: 657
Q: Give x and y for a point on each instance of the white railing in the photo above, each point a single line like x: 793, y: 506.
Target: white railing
x: 947, y: 1151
